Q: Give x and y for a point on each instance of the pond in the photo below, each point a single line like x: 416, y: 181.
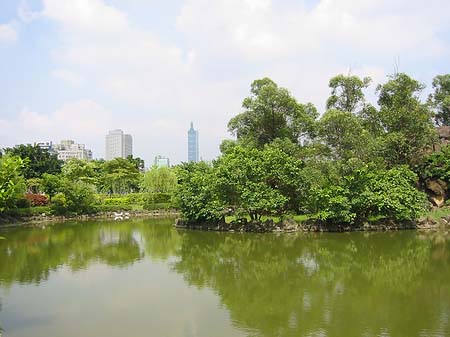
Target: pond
x: 145, y: 278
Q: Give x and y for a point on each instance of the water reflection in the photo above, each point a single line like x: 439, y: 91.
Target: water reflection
x: 359, y: 284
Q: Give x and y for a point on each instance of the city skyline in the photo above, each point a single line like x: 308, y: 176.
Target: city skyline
x: 73, y: 69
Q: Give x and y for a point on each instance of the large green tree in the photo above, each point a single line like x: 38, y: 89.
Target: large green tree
x: 259, y: 182
x: 197, y: 192
x: 272, y: 112
x: 37, y: 161
x: 119, y: 176
x: 347, y: 93
x: 344, y: 134
x: 12, y: 183
x: 440, y: 99
x: 406, y: 121
x: 370, y: 192
x: 159, y: 180
x: 82, y: 170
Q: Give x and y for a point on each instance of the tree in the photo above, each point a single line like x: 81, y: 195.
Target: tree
x: 74, y: 197
x: 119, y: 176
x: 440, y: 99
x: 347, y: 93
x: 12, y: 183
x: 37, y: 161
x: 197, y: 193
x: 50, y: 184
x: 370, y: 192
x: 258, y: 182
x: 407, y: 125
x: 81, y: 170
x: 159, y: 180
x: 138, y: 162
x: 343, y: 132
x: 271, y: 112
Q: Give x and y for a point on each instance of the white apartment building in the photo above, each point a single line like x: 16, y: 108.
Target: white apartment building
x: 161, y: 161
x: 118, y: 145
x: 67, y: 149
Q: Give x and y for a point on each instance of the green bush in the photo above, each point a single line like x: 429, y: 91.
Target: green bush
x: 114, y: 208
x: 159, y: 201
x: 160, y: 205
x: 370, y: 193
x: 136, y: 198
x: 117, y: 201
x: 75, y: 198
x: 59, y: 204
x: 30, y: 211
x: 23, y: 203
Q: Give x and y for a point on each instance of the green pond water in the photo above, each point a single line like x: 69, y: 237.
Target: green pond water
x: 145, y: 278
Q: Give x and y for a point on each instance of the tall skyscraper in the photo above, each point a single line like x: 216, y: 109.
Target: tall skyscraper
x: 193, y: 144
x: 118, y: 145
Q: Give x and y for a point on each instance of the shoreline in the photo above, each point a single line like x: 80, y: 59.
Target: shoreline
x: 311, y: 225
x: 48, y: 219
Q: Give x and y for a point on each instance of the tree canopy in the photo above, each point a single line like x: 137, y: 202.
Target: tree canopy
x: 271, y: 112
x: 37, y: 161
x: 440, y: 99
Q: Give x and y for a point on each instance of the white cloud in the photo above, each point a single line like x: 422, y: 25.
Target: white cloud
x: 157, y: 84
x: 68, y: 76
x: 25, y: 13
x: 369, y: 28
x: 87, y: 16
x: 7, y: 33
x: 84, y: 121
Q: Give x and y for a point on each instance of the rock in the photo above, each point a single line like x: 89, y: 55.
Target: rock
x: 438, y: 190
x: 443, y: 132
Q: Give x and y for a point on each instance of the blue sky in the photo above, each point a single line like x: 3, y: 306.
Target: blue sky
x: 73, y: 69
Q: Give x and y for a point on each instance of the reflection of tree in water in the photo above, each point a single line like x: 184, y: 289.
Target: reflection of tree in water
x: 296, y: 285
x: 288, y: 285
x: 30, y: 255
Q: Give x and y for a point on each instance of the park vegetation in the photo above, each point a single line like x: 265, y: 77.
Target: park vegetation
x: 353, y: 163
x: 33, y: 181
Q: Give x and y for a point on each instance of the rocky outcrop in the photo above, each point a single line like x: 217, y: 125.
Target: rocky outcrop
x: 437, y: 191
x: 444, y: 138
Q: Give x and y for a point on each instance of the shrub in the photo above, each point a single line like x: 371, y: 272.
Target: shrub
x: 160, y: 205
x: 59, y: 204
x: 136, y: 198
x: 117, y: 201
x: 114, y: 208
x: 37, y: 199
x: 75, y: 198
x: 23, y: 203
x: 30, y: 211
x: 370, y: 193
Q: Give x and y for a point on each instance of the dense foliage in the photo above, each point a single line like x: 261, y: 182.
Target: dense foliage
x: 355, y: 163
x: 37, y: 161
x: 84, y: 187
x: 12, y: 183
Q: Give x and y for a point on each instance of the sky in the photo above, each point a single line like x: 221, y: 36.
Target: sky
x: 74, y: 69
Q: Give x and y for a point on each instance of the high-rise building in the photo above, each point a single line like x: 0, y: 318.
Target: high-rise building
x: 193, y: 144
x: 118, y: 145
x: 161, y: 161
x: 67, y: 149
